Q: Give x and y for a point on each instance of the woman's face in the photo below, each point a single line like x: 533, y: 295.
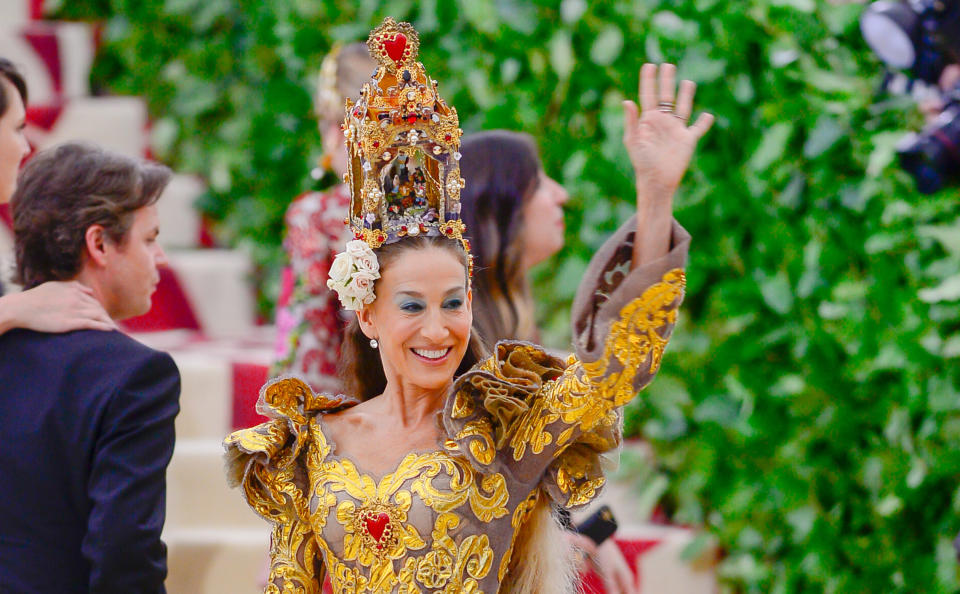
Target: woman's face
x: 543, y: 221
x: 421, y: 318
x: 13, y: 143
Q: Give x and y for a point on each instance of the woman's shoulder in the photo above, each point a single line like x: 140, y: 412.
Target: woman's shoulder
x: 291, y: 397
x: 492, y: 399
x: 291, y: 405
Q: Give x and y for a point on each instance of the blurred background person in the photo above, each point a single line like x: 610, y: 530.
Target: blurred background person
x: 51, y: 306
x: 309, y: 326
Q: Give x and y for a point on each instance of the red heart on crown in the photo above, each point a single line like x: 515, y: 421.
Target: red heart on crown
x: 395, y: 47
x: 376, y: 524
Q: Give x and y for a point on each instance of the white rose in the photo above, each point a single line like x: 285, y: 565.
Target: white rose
x: 368, y: 263
x: 363, y: 257
x: 361, y: 285
x: 357, y: 248
x: 340, y: 269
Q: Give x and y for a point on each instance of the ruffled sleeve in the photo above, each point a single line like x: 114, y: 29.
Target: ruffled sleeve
x: 266, y: 463
x: 545, y: 421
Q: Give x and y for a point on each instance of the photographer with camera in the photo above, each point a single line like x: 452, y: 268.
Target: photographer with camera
x: 923, y: 38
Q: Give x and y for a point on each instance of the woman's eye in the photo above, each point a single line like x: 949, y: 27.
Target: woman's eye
x: 453, y: 303
x: 411, y: 307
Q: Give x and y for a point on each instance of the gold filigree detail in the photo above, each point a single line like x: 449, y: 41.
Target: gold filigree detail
x: 294, y: 566
x: 520, y: 517
x: 370, y: 561
x: 587, y: 394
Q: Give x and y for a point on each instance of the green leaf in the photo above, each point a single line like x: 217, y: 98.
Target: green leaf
x: 771, y: 147
x: 826, y: 132
x: 948, y: 290
x: 777, y: 292
x: 607, y: 46
x: 561, y: 54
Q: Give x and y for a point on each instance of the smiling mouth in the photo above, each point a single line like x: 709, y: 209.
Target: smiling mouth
x: 432, y: 355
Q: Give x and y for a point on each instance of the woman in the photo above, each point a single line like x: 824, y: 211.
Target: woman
x: 370, y: 488
x: 52, y: 306
x: 514, y: 217
x: 309, y: 326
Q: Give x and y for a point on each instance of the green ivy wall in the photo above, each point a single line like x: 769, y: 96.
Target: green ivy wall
x: 807, y: 412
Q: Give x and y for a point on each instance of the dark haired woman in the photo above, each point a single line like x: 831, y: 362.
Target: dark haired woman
x: 52, y: 306
x: 514, y: 216
x: 370, y: 488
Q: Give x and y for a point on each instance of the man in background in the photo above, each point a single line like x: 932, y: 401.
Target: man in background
x: 87, y: 416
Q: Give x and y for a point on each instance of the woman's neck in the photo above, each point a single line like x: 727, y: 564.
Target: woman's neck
x: 411, y: 405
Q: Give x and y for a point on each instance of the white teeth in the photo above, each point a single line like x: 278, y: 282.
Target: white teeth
x: 430, y: 354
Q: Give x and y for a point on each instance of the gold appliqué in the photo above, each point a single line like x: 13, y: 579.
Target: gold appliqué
x: 382, y: 551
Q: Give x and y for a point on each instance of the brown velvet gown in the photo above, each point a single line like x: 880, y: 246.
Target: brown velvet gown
x: 520, y: 424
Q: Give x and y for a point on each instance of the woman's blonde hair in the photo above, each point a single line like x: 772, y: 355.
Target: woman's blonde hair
x: 542, y: 556
x: 341, y: 76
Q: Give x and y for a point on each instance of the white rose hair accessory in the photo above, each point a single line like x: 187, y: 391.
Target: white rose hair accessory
x: 353, y: 274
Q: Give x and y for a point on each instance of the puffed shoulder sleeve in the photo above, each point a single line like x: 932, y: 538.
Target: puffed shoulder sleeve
x: 547, y: 421
x: 266, y: 463
x: 264, y: 460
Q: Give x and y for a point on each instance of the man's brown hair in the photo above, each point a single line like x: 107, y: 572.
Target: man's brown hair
x: 64, y: 190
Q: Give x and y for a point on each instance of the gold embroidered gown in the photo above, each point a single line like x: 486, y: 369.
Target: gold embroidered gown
x: 519, y: 424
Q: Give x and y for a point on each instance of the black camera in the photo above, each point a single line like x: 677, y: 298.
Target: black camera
x: 921, y: 36
x: 932, y: 157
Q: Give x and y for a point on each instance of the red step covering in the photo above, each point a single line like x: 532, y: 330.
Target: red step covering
x: 36, y: 9
x: 247, y: 380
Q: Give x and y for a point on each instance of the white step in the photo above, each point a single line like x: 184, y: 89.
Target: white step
x: 197, y: 492
x: 114, y: 123
x: 75, y: 47
x: 179, y: 219
x: 15, y: 12
x: 218, y: 286
x: 206, y: 396
x: 217, y: 561
x: 663, y: 569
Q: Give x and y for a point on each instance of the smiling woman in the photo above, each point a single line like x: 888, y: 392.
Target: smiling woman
x: 437, y: 472
x: 405, y: 289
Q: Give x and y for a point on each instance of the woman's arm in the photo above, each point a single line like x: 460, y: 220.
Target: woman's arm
x: 54, y: 307
x: 660, y: 145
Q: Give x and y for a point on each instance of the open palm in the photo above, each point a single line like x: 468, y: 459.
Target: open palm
x: 656, y: 136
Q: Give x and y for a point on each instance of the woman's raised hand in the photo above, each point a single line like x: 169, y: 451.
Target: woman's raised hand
x: 657, y: 137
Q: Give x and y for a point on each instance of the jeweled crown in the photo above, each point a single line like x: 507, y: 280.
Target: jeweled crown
x: 403, y: 146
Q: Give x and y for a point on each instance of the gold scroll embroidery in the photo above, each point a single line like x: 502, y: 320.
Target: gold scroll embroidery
x: 293, y: 555
x: 382, y: 551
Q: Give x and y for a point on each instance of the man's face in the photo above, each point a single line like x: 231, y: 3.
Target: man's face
x: 13, y: 143
x: 131, y: 273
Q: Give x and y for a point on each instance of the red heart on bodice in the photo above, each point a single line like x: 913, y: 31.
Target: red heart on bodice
x: 376, y: 524
x: 395, y: 47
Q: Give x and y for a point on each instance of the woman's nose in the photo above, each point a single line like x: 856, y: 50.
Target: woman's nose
x: 434, y: 329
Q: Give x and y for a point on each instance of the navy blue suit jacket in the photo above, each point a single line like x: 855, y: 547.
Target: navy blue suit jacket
x: 86, y: 433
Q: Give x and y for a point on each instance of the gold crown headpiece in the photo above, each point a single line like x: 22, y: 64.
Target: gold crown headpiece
x: 403, y: 146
